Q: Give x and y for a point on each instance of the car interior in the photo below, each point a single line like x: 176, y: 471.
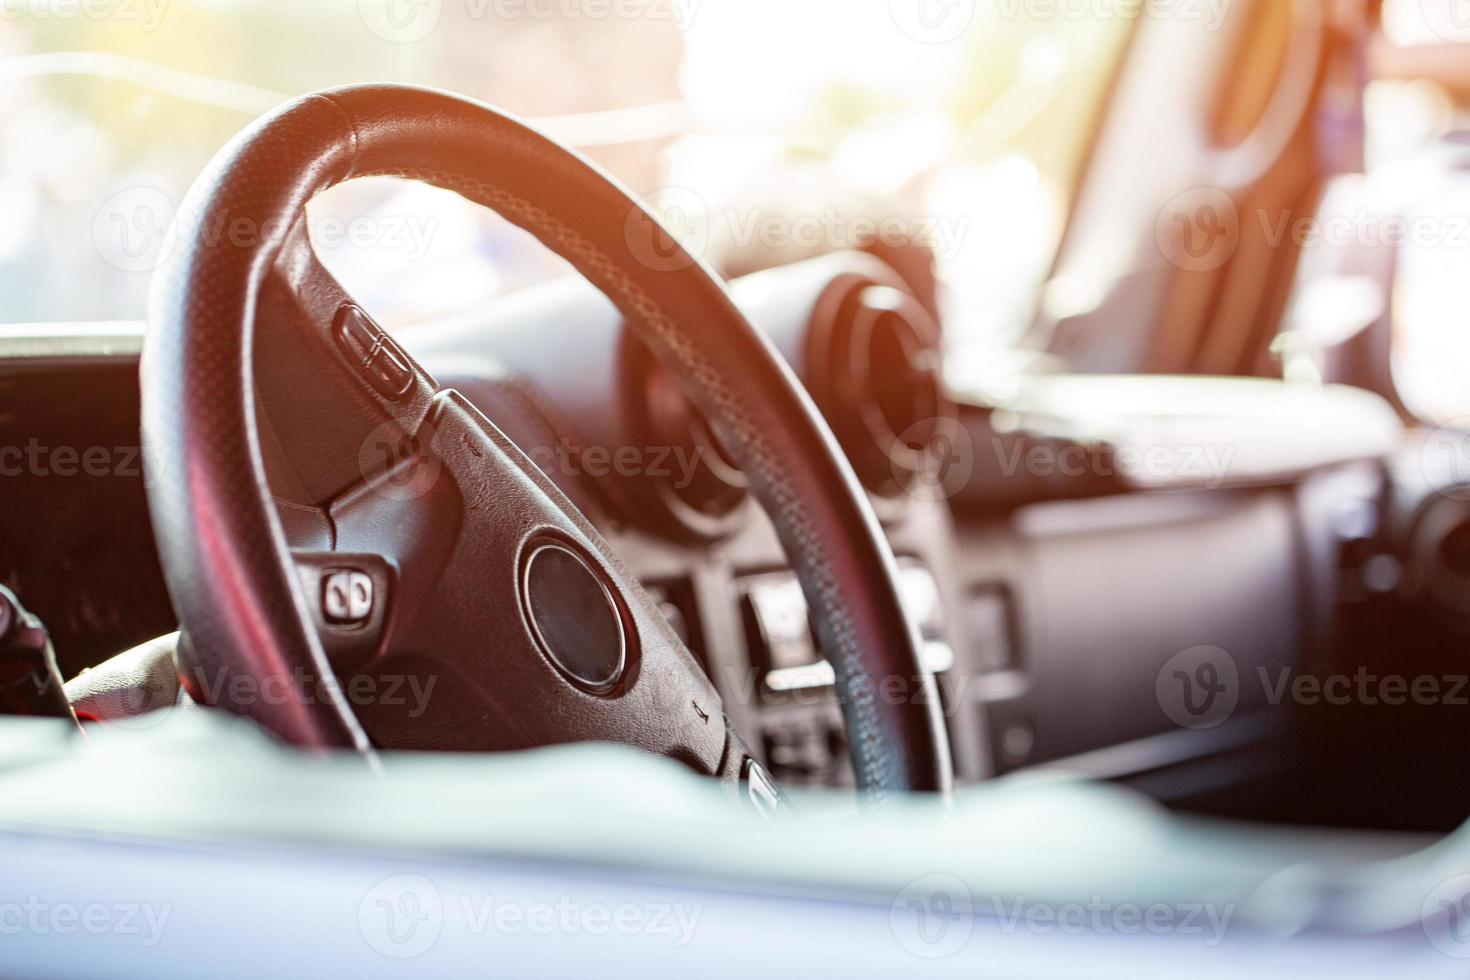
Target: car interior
x: 921, y: 485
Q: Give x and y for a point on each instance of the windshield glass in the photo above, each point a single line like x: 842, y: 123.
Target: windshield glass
x: 763, y: 130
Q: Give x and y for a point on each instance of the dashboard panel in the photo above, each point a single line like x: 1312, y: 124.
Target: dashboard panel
x: 1049, y: 608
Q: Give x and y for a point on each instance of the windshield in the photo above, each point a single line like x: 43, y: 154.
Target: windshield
x: 763, y: 130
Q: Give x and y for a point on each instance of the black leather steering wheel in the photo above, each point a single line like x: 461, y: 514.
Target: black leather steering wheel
x: 416, y: 542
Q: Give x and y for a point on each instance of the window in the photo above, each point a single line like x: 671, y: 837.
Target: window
x: 772, y: 129
x: 1419, y: 168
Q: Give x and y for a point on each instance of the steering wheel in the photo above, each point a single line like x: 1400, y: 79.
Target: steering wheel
x: 415, y: 547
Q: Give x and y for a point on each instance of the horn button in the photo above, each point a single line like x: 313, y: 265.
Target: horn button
x: 573, y: 616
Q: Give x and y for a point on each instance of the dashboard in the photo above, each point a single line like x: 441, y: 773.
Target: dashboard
x: 1050, y: 600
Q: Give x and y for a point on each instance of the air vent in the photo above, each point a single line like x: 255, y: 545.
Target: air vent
x: 874, y: 361
x: 699, y: 490
x: 1442, y: 555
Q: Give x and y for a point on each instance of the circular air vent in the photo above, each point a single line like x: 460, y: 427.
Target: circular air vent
x: 698, y: 489
x: 874, y: 362
x: 1441, y: 545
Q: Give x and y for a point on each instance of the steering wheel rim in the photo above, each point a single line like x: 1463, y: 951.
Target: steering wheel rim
x: 235, y: 581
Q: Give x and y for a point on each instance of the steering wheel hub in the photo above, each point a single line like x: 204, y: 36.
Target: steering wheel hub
x: 571, y: 611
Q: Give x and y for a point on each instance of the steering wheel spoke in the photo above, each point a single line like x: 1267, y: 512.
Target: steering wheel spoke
x: 338, y: 400
x: 425, y: 507
x: 508, y: 599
